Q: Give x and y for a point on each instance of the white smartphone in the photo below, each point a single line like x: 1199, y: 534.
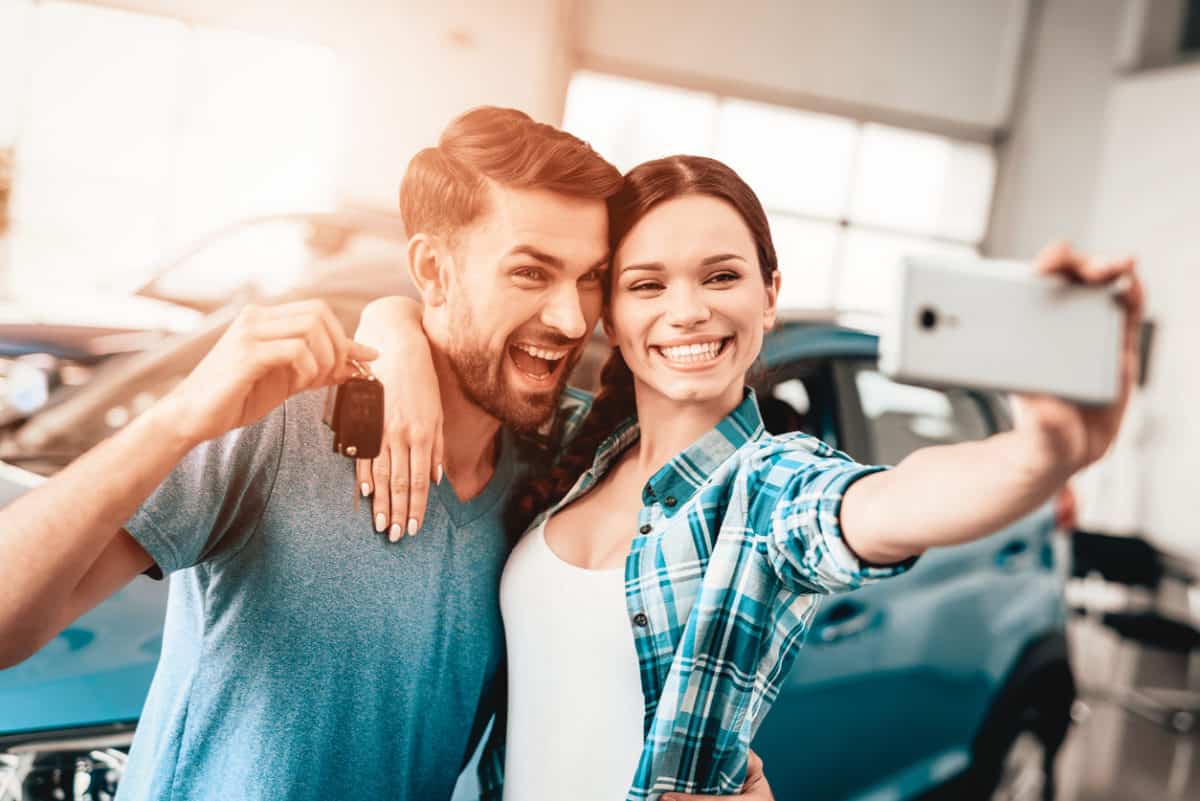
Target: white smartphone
x: 997, y: 325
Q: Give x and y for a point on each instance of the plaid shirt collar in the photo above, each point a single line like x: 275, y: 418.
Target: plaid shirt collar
x: 677, y: 480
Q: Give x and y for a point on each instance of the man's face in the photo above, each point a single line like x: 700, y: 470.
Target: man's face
x: 524, y: 295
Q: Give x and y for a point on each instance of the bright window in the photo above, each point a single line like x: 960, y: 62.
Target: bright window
x: 846, y: 199
x: 141, y: 133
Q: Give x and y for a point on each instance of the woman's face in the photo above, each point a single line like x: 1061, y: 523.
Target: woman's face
x: 689, y: 304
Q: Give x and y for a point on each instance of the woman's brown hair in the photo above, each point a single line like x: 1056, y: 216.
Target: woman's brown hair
x: 645, y: 187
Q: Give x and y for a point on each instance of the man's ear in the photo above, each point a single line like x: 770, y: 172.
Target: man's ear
x: 429, y: 268
x: 771, y: 309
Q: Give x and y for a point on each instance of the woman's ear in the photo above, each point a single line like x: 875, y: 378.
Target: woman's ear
x: 429, y: 268
x: 771, y: 308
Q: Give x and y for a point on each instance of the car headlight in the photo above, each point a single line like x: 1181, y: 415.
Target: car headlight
x: 83, y: 768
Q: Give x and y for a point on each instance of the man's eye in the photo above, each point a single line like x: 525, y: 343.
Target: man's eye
x: 530, y: 274
x: 592, y: 277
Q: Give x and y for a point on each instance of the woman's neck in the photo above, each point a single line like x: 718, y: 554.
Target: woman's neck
x: 668, y: 426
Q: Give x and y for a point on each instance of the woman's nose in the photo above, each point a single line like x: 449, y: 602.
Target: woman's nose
x: 687, y: 308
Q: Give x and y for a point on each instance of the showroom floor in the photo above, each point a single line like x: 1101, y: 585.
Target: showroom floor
x: 1112, y: 754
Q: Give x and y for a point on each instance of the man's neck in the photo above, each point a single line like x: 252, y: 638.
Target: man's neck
x: 469, y: 445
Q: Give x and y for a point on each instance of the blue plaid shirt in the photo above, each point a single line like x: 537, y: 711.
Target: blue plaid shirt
x: 737, y: 536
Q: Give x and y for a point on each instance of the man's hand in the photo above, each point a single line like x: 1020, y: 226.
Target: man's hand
x: 410, y: 456
x: 755, y: 788
x: 1074, y: 436
x: 268, y: 354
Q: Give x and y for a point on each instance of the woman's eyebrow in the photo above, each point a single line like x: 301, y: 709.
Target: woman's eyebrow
x: 652, y: 266
x: 720, y: 258
x: 657, y: 266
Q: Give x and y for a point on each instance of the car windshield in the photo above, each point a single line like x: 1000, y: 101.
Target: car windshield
x: 264, y: 258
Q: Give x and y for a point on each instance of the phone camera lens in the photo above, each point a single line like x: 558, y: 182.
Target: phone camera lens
x: 928, y: 319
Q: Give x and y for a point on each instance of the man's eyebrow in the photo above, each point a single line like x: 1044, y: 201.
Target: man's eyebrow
x: 657, y: 266
x: 534, y: 253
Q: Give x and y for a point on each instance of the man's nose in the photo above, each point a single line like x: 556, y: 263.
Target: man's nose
x: 564, y: 313
x: 687, y: 308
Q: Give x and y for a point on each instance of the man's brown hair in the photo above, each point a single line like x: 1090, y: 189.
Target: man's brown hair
x: 445, y: 187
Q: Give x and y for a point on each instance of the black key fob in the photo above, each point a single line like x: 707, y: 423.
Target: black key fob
x: 354, y: 410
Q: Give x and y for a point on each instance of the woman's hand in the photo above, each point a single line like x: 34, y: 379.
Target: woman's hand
x: 1074, y: 436
x: 755, y: 788
x: 410, y: 455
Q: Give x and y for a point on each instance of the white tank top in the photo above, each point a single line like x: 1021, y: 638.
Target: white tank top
x: 574, y: 692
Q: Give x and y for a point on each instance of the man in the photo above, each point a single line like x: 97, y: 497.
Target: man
x: 304, y: 657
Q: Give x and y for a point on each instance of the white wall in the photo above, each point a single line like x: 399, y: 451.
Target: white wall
x: 408, y: 67
x: 1146, y: 202
x: 1048, y: 160
x: 948, y: 62
x: 1111, y: 163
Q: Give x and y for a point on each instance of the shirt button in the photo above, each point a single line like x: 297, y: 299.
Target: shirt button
x: 669, y: 500
x: 641, y: 620
x: 646, y: 529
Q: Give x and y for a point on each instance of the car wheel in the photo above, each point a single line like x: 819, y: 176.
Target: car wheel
x: 1016, y: 752
x: 1026, y: 770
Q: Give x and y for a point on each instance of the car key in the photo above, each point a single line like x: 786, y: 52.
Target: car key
x: 354, y: 410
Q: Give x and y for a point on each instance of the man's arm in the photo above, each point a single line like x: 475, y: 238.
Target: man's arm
x: 55, y: 535
x: 950, y: 494
x: 63, y: 544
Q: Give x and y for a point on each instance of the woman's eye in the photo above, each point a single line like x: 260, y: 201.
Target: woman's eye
x: 724, y: 278
x: 643, y: 286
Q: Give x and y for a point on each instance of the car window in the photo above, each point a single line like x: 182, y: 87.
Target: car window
x: 798, y: 396
x: 786, y: 407
x: 900, y: 418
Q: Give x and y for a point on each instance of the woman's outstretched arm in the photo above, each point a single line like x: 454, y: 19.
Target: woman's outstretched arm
x: 950, y: 494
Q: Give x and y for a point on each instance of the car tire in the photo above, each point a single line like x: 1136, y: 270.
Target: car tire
x: 1015, y: 754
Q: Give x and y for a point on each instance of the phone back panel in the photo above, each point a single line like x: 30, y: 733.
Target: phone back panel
x: 996, y: 325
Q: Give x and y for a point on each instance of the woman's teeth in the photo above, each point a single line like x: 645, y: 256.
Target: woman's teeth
x: 688, y: 354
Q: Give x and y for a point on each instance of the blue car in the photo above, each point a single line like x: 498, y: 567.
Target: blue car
x: 951, y: 681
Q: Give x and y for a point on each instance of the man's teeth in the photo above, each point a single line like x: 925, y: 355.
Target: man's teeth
x: 541, y: 353
x: 692, y: 353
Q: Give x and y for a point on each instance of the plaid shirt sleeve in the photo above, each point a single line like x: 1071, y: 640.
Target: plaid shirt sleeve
x: 796, y: 485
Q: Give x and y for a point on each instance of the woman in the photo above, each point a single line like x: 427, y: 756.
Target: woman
x: 672, y: 557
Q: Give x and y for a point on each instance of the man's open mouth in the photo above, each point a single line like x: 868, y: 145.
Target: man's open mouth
x: 538, y: 363
x: 694, y: 354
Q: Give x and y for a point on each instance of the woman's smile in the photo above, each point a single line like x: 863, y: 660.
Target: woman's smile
x: 693, y: 356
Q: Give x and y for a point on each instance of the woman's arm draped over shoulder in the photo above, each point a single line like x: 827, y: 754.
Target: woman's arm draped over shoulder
x: 411, y: 454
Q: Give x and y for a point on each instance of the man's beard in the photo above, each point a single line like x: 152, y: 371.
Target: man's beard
x: 486, y: 383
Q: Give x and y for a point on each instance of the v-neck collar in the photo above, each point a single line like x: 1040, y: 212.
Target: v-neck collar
x: 466, y: 512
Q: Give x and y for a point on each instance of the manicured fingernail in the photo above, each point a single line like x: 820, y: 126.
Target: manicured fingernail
x: 412, y: 526
x: 396, y: 533
x: 439, y: 474
x: 380, y: 522
x: 365, y: 488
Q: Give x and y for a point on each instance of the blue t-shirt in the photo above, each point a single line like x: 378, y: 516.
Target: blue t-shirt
x: 304, y: 656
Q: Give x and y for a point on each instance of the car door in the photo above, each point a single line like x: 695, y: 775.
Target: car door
x: 887, y: 692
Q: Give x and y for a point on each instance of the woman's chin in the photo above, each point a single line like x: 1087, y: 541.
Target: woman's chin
x: 697, y: 391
